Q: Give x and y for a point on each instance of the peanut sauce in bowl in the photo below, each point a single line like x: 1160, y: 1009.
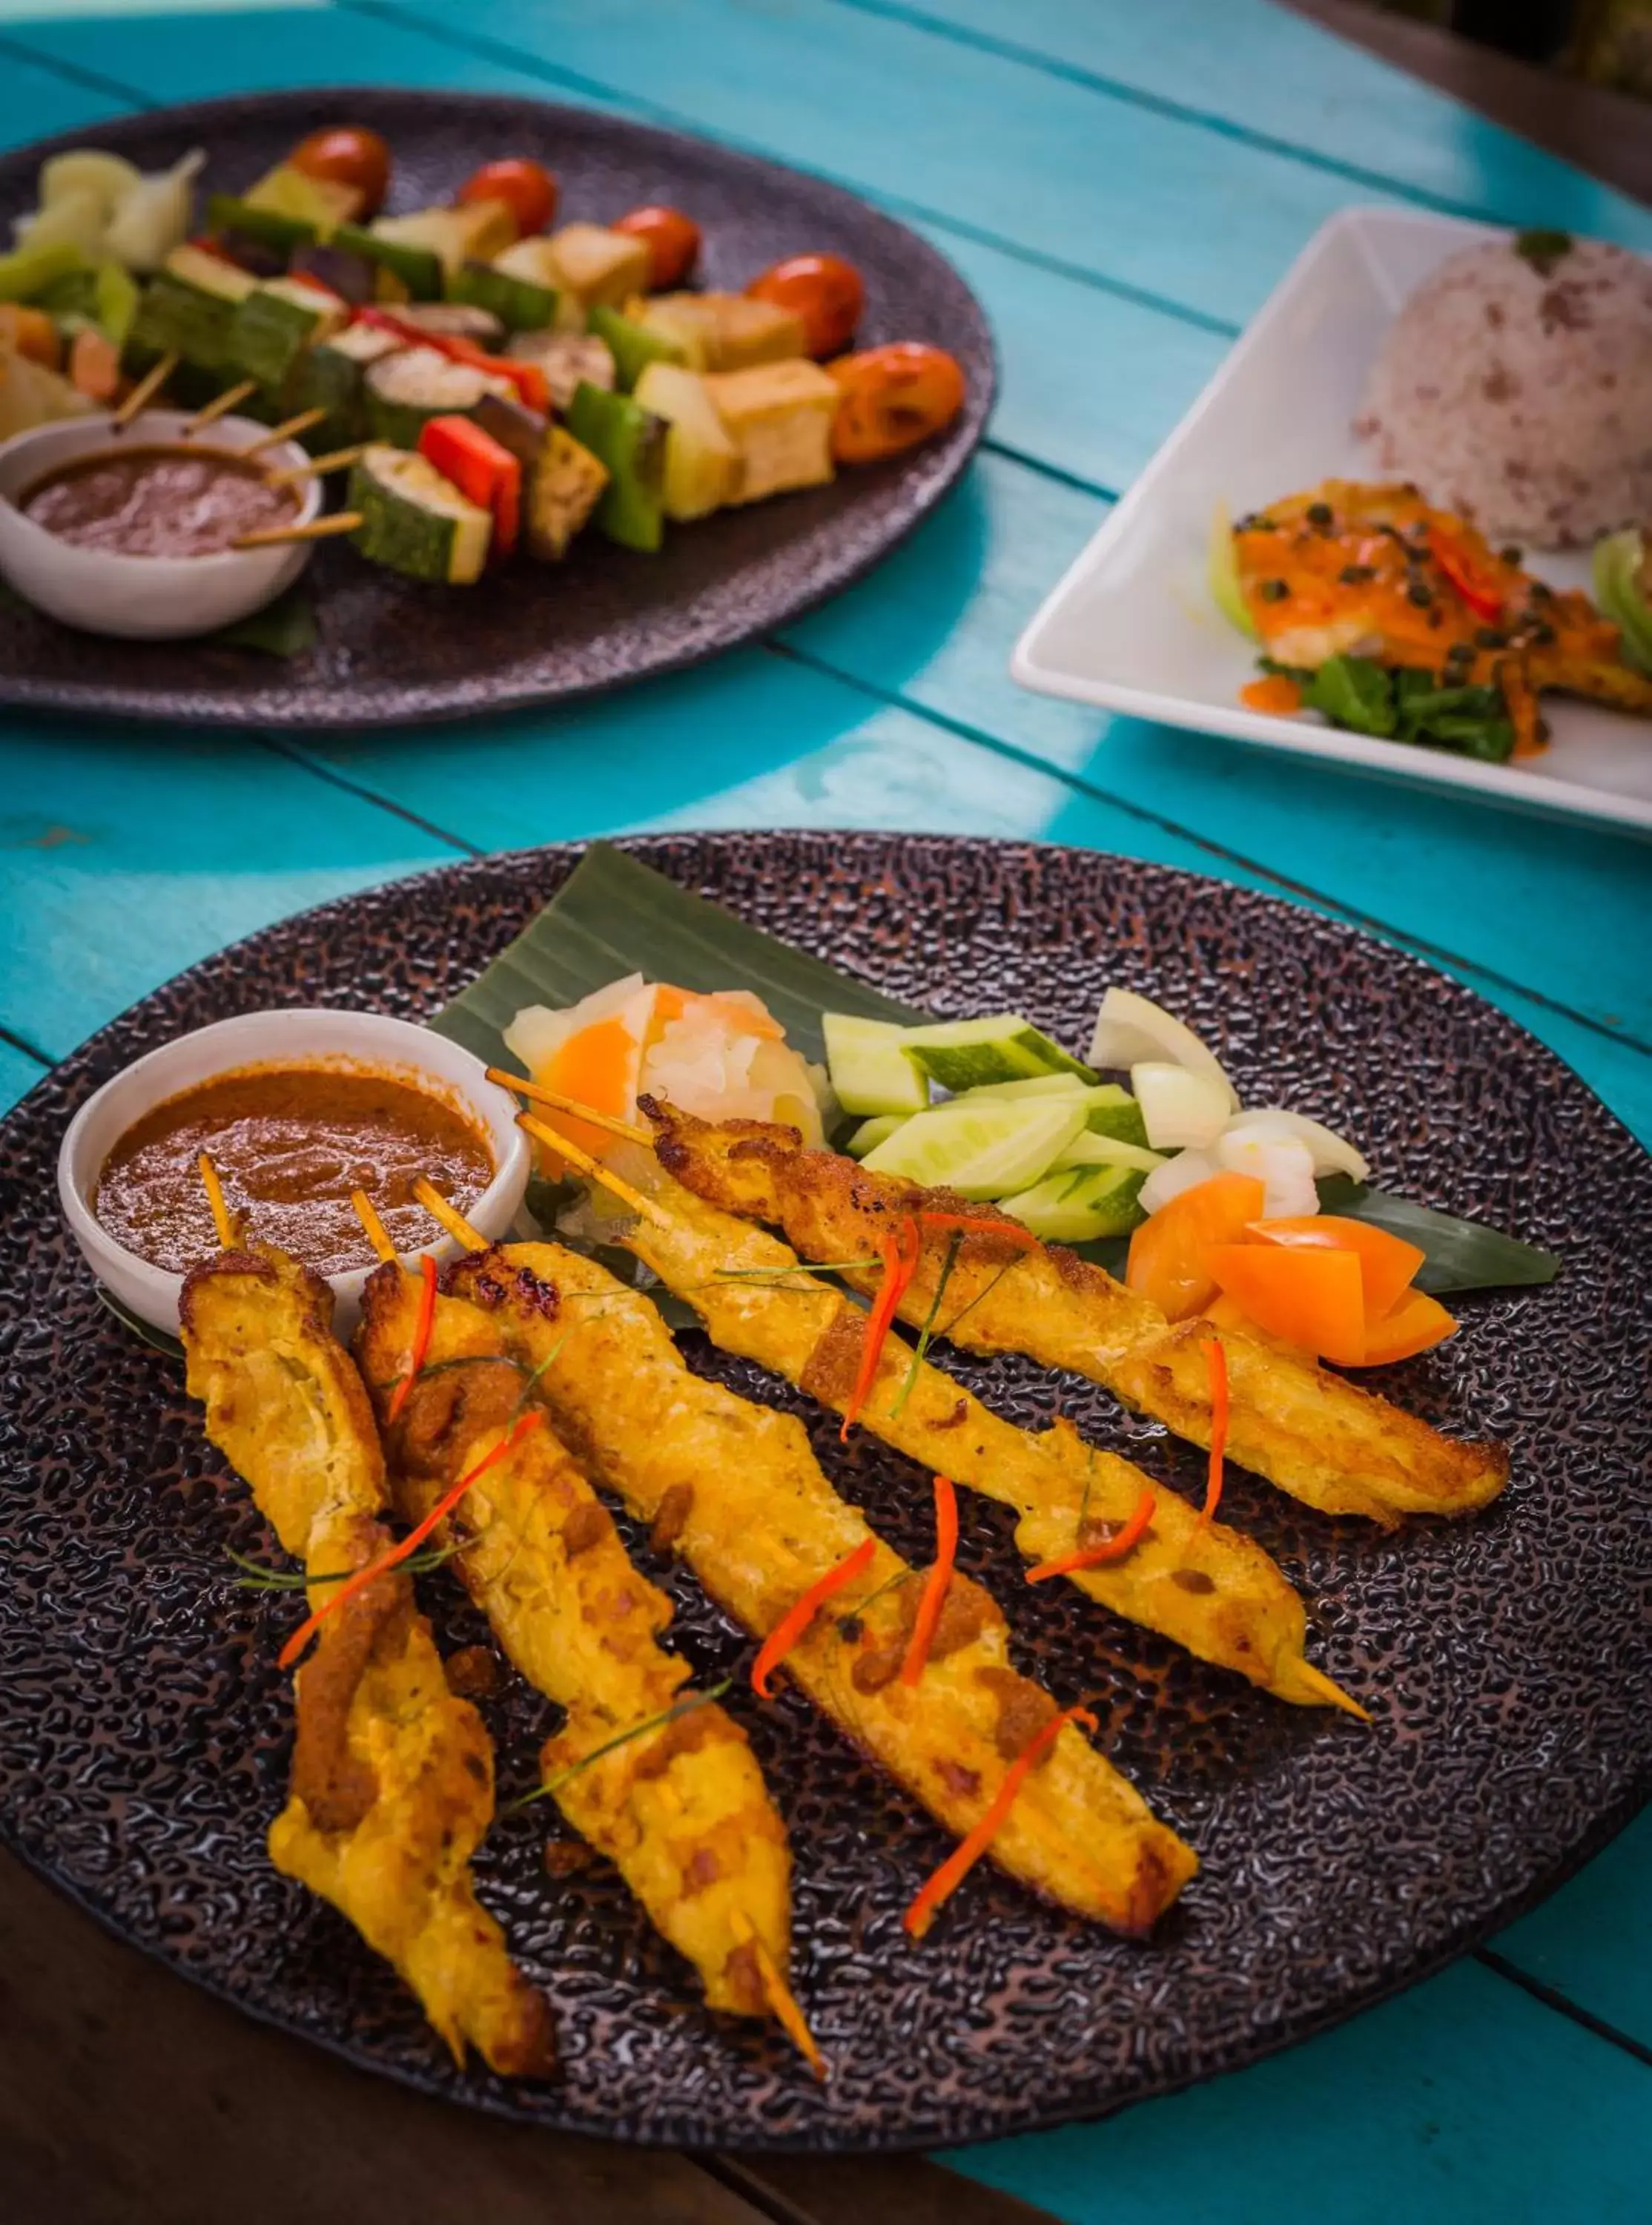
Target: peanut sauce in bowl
x: 156, y: 501
x: 290, y: 1143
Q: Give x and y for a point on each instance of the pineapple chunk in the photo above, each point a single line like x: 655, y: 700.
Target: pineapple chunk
x: 702, y: 462
x: 780, y: 415
x: 534, y: 259
x: 564, y: 486
x: 593, y: 265
x: 475, y: 233
x: 722, y: 331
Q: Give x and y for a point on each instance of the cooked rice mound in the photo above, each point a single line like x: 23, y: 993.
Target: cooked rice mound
x: 1514, y: 387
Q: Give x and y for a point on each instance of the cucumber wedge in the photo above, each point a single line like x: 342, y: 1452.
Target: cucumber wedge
x: 871, y: 1133
x: 871, y: 1071
x: 1087, y: 1150
x: 964, y: 1054
x: 1620, y: 564
x: 1077, y: 1206
x: 980, y: 1150
x: 1111, y: 1109
x: 1222, y: 569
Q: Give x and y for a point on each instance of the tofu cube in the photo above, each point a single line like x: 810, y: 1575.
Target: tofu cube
x: 780, y: 417
x: 722, y: 331
x: 598, y: 266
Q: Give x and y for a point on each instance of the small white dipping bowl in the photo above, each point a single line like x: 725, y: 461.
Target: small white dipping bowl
x: 140, y: 598
x: 300, y: 1037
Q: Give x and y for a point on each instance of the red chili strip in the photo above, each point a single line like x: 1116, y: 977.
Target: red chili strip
x: 421, y: 1329
x: 900, y: 1264
x: 790, y: 1628
x: 409, y: 1544
x: 935, y: 1583
x: 945, y: 1881
x: 974, y: 1224
x: 1110, y: 1548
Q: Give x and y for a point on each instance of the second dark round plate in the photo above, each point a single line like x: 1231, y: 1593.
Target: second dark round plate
x: 394, y: 652
x: 1506, y: 1661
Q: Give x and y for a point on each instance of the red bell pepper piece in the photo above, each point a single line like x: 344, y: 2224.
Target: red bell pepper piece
x: 1453, y: 562
x: 483, y: 470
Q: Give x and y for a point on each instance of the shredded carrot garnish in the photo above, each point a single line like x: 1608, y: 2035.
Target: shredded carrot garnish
x: 782, y: 2002
x: 421, y: 1329
x: 900, y: 1258
x: 791, y: 1626
x: 1216, y: 1356
x: 1110, y: 1548
x: 946, y: 1880
x: 976, y: 1224
x: 935, y: 1583
x: 409, y: 1544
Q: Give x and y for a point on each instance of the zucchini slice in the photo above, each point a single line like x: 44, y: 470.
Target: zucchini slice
x: 404, y: 390
x: 415, y: 521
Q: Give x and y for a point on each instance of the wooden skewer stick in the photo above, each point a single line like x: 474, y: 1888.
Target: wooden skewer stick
x: 316, y: 466
x: 377, y: 1234
x: 221, y: 406
x: 449, y: 1216
x: 593, y: 1170
x: 222, y: 1219
x: 540, y: 1095
x: 290, y: 431
x: 319, y: 529
x: 144, y: 392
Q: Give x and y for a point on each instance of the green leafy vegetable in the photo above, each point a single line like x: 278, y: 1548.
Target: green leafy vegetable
x: 156, y: 1339
x: 1363, y: 696
x: 1461, y: 1255
x: 283, y: 628
x: 1353, y: 692
x: 1542, y: 250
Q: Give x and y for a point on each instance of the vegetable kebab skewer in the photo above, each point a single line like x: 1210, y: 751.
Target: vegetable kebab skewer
x: 392, y: 1784
x: 657, y: 1779
x: 911, y: 1666
x: 1082, y: 1513
x: 1312, y: 1434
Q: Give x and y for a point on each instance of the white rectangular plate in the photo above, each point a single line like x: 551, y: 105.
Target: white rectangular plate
x: 1132, y: 627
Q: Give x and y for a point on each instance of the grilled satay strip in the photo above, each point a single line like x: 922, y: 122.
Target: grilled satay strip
x: 392, y: 1786
x: 1203, y: 1584
x: 735, y: 1489
x: 681, y: 1811
x: 1315, y: 1435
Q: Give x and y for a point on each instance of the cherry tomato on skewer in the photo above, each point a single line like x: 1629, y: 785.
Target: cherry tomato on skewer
x: 349, y: 154
x: 673, y: 242
x: 827, y: 292
x: 528, y: 189
x: 892, y: 397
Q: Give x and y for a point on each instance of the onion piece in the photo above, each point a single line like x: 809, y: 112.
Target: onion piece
x: 1186, y: 1172
x: 1332, y: 1154
x: 1180, y: 1109
x: 1132, y: 1031
x: 1282, y: 1164
x: 153, y: 218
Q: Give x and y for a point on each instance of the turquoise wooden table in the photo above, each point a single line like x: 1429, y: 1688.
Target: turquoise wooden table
x: 1122, y: 184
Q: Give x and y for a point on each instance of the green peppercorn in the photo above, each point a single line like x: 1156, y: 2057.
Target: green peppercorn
x: 1419, y: 594
x: 1352, y: 574
x: 1511, y: 556
x: 1273, y: 591
x: 1491, y: 637
x: 1543, y: 632
x: 1319, y: 514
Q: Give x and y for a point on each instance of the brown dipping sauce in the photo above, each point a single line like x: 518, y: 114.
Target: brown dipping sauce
x: 290, y: 1143
x: 157, y: 501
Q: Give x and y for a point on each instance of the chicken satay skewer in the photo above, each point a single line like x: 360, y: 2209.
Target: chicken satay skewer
x: 736, y: 1490
x: 392, y: 1782
x: 1312, y: 1434
x: 667, y: 1787
x: 1201, y: 1583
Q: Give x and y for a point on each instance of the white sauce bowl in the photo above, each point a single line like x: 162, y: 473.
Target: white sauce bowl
x: 300, y: 1037
x: 141, y: 597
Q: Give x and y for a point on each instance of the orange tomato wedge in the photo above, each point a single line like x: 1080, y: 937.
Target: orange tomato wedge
x: 1166, y: 1258
x: 600, y: 1066
x: 1387, y: 1262
x: 1416, y: 1324
x: 1224, y: 1312
x: 1305, y: 1294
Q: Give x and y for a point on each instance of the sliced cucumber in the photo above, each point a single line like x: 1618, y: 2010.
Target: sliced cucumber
x: 1222, y: 568
x: 964, y: 1054
x: 979, y: 1151
x: 1620, y: 564
x: 1088, y: 1149
x: 1110, y: 1110
x: 1077, y: 1206
x: 870, y: 1070
x: 871, y: 1133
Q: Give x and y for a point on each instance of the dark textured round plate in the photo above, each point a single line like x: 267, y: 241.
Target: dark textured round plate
x: 1506, y: 1661
x: 391, y: 651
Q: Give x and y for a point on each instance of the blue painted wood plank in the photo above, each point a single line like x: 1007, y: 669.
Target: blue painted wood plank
x: 36, y: 100
x: 18, y: 1076
x: 126, y: 857
x: 1592, y: 1941
x: 1269, y: 77
x: 1460, y: 2103
x: 1516, y: 897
